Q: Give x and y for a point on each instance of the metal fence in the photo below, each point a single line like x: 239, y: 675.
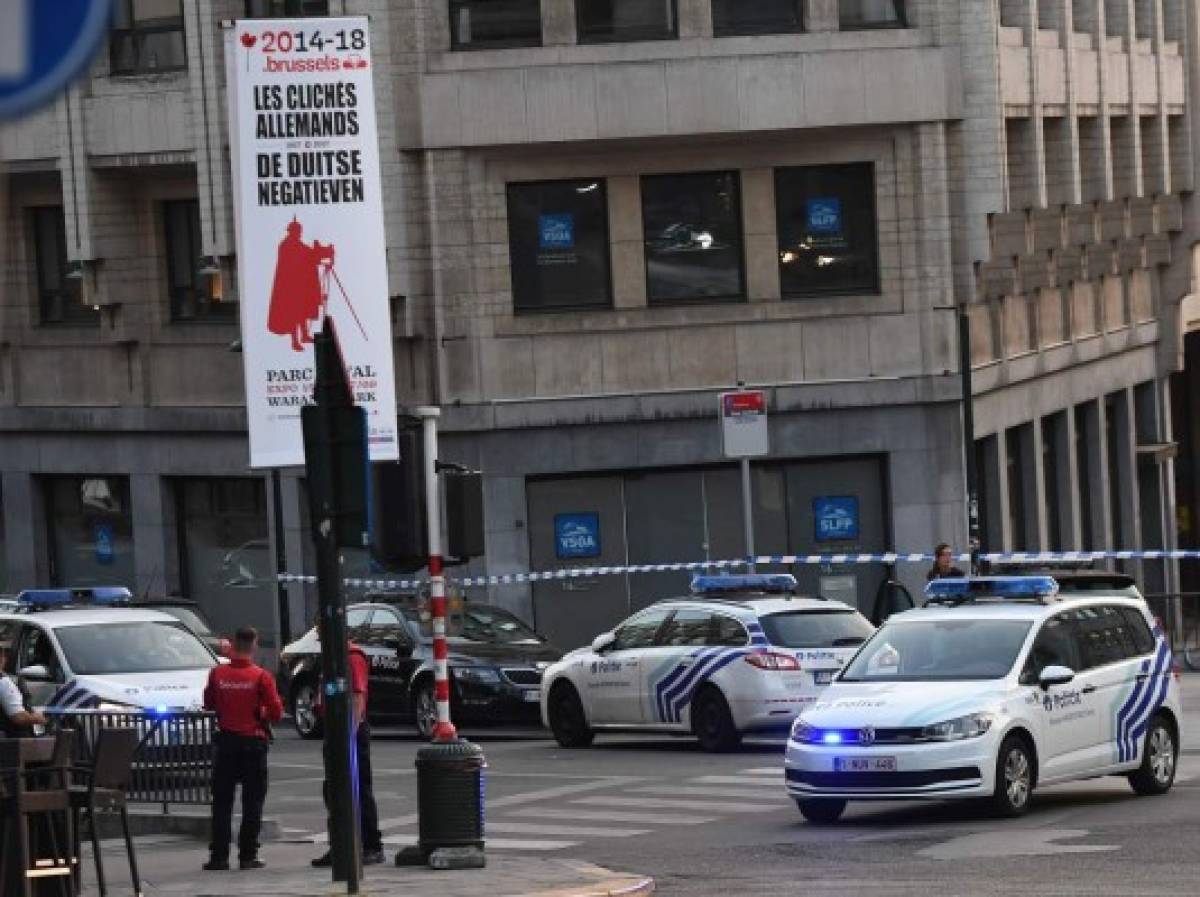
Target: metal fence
x: 173, y: 763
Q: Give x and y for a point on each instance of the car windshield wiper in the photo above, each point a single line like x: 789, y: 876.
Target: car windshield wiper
x: 848, y: 641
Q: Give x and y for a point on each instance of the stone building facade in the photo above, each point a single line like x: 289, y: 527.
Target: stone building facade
x: 600, y: 214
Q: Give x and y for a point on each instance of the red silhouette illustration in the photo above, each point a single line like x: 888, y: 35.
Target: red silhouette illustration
x: 297, y: 294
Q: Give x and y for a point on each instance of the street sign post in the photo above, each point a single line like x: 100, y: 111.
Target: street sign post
x: 744, y: 436
x: 43, y: 47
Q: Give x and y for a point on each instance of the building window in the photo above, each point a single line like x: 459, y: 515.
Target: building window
x: 558, y: 244
x: 181, y: 232
x: 827, y: 234
x: 693, y: 231
x: 225, y: 558
x: 57, y: 302
x: 495, y: 23
x: 853, y: 14
x: 91, y: 530
x: 279, y: 9
x: 147, y: 37
x: 613, y: 21
x: 732, y: 17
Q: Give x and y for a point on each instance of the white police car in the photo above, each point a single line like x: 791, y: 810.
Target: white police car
x: 742, y: 654
x: 83, y: 648
x: 994, y: 688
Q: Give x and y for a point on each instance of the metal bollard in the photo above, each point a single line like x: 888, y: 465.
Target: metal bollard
x: 450, y: 807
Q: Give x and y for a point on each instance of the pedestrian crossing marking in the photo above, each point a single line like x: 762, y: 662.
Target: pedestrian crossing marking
x: 685, y: 791
x: 565, y: 831
x: 663, y: 803
x: 646, y: 818
x: 746, y: 781
x: 764, y: 771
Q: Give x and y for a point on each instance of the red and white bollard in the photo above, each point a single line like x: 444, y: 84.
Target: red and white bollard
x: 443, y: 729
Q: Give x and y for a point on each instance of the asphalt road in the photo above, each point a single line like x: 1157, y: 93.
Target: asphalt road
x: 709, y: 825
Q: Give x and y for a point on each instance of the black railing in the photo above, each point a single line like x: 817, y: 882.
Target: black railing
x: 173, y: 763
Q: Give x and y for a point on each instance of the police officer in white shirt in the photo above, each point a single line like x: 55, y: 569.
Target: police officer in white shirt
x: 16, y: 718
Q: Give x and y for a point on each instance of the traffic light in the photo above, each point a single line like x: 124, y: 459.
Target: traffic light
x: 399, y: 538
x: 464, y: 514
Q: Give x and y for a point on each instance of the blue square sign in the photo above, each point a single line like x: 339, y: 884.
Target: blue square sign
x: 825, y: 216
x: 556, y: 231
x: 836, y: 518
x: 577, y: 535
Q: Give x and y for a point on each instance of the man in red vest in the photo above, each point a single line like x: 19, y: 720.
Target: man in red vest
x: 244, y: 697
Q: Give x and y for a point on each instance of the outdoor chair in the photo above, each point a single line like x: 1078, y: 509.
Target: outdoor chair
x: 103, y: 789
x: 35, y: 800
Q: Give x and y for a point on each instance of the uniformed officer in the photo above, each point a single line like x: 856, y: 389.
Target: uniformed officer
x: 244, y: 697
x: 368, y: 814
x: 17, y: 719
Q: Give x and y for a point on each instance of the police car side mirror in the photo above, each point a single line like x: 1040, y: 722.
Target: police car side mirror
x: 35, y: 673
x: 603, y: 641
x: 1055, y: 675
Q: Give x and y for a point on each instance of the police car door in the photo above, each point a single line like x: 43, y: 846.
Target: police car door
x: 1065, y: 715
x: 669, y: 667
x: 36, y: 652
x: 614, y: 676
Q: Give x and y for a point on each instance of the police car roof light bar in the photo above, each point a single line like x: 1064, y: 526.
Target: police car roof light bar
x: 104, y: 596
x: 772, y: 583
x: 1018, y: 588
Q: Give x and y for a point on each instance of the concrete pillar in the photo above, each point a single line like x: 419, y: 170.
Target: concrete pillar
x: 205, y: 56
x: 1033, y: 483
x: 821, y: 15
x: 1070, y: 506
x: 1004, y: 537
x: 1127, y: 492
x: 627, y: 242
x: 992, y: 487
x: 1097, y: 475
x: 154, y: 542
x: 558, y: 23
x: 24, y: 531
x: 762, y: 238
x: 695, y: 18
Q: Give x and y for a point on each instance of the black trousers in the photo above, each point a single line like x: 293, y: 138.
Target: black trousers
x: 241, y: 761
x: 368, y: 813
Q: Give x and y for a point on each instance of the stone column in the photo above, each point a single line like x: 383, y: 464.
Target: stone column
x: 558, y: 23
x: 24, y: 531
x: 627, y: 242
x: 821, y: 15
x: 153, y: 530
x: 695, y: 18
x: 762, y: 239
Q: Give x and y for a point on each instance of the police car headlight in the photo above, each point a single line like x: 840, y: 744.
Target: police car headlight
x: 802, y: 732
x: 972, y: 725
x: 477, y: 675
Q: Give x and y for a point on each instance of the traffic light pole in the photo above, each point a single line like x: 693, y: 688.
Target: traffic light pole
x: 443, y: 730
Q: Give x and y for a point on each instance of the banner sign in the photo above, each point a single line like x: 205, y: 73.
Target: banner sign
x: 744, y: 423
x: 309, y: 212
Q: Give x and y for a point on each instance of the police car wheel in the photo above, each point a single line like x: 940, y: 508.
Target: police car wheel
x: 821, y: 811
x: 567, y: 719
x: 304, y: 710
x: 713, y: 723
x: 1014, y: 778
x: 425, y: 708
x: 1156, y: 775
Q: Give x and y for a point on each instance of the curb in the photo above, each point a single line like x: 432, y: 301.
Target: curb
x: 189, y: 824
x: 621, y: 887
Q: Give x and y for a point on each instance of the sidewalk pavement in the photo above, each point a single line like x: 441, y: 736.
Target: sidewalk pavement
x: 173, y: 868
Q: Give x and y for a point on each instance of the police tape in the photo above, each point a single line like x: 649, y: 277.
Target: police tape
x: 778, y: 560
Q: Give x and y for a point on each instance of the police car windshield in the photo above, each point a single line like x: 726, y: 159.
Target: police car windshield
x: 187, y: 616
x: 939, y: 650
x: 117, y: 648
x: 816, y: 629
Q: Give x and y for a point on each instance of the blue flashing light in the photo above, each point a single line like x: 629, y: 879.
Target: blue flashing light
x: 99, y: 595
x: 775, y: 583
x: 966, y: 588
x: 161, y: 709
x: 832, y: 738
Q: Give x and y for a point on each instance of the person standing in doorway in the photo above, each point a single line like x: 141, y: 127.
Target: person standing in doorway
x: 368, y: 813
x: 246, y: 702
x: 943, y: 564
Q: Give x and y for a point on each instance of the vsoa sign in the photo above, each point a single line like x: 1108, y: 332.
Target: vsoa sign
x: 836, y: 518
x: 44, y: 45
x: 577, y: 535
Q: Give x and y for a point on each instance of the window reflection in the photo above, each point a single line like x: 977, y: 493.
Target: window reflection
x: 604, y: 21
x: 871, y: 14
x: 91, y: 530
x: 732, y: 17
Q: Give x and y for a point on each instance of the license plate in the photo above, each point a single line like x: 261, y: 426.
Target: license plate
x: 864, y: 764
x: 533, y: 696
x: 823, y: 677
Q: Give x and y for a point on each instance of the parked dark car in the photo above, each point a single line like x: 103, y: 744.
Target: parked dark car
x: 188, y: 613
x: 496, y: 664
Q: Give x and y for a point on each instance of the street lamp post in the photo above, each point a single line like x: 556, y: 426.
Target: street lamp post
x: 968, y: 423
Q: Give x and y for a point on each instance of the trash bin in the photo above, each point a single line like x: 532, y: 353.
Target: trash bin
x: 450, y: 788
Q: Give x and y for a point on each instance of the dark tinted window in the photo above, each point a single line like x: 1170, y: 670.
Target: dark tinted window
x: 728, y: 632
x: 1056, y: 645
x: 854, y: 14
x: 495, y: 23
x: 639, y: 632
x: 57, y: 303
x: 693, y: 235
x: 827, y: 232
x: 1104, y: 635
x: 147, y: 37
x: 1139, y: 630
x: 277, y: 9
x: 606, y: 21
x: 189, y: 299
x: 688, y: 627
x: 759, y: 17
x: 558, y: 244
x: 819, y: 629
x: 490, y: 624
